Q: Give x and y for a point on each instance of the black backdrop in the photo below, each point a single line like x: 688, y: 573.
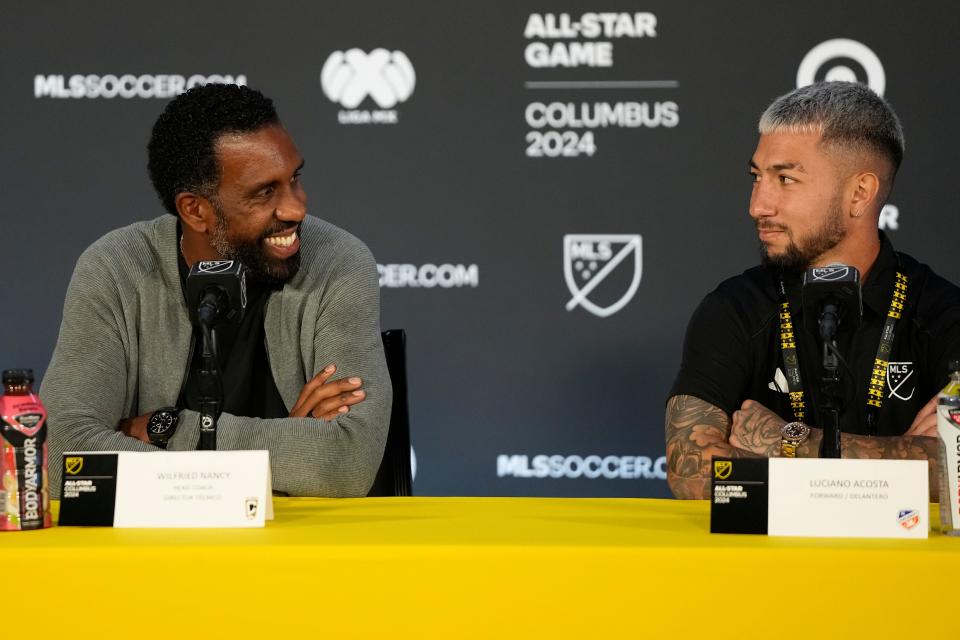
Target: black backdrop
x: 651, y: 117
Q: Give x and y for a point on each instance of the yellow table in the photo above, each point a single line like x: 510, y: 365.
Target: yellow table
x: 475, y: 567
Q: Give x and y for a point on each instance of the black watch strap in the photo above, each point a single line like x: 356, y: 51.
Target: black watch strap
x: 162, y: 425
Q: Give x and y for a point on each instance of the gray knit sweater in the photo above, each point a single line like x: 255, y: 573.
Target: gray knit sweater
x: 125, y: 340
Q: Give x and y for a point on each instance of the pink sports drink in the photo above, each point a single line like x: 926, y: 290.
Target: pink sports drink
x: 25, y: 495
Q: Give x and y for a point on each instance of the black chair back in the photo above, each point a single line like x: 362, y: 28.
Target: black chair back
x: 394, y: 477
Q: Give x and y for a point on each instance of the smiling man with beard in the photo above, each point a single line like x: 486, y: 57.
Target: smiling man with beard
x: 822, y: 171
x: 304, y: 373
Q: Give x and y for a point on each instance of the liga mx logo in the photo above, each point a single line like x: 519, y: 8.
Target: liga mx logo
x: 843, y: 60
x: 387, y: 77
x: 592, y: 260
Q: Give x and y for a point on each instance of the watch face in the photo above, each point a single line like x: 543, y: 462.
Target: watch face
x: 795, y: 430
x: 160, y: 423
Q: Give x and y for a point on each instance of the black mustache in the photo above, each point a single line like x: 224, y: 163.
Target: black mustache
x: 280, y: 229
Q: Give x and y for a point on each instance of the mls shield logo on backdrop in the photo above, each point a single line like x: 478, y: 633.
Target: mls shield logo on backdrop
x: 592, y: 260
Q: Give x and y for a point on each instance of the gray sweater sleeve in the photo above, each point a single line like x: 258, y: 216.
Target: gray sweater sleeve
x: 312, y: 457
x: 85, y: 389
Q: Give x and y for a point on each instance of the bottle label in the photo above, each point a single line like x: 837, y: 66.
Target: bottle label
x: 948, y: 428
x: 953, y: 415
x: 31, y: 501
x: 23, y: 464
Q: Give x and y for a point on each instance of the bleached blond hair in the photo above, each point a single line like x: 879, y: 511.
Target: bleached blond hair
x: 848, y: 115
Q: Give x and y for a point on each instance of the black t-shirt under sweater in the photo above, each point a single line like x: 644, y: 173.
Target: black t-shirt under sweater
x: 248, y: 386
x: 732, y: 349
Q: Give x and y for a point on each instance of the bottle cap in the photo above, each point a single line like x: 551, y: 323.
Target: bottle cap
x: 17, y: 376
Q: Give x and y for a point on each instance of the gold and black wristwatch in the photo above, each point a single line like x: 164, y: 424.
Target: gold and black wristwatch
x: 792, y: 435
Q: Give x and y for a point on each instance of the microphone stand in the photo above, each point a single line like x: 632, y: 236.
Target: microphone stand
x: 211, y: 389
x: 830, y: 382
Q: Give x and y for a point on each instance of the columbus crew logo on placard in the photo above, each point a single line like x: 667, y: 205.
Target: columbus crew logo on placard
x: 602, y: 271
x: 250, y: 507
x: 844, y: 60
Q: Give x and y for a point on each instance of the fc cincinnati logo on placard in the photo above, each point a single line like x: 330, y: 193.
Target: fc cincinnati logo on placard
x: 612, y: 260
x: 908, y: 518
x: 900, y: 380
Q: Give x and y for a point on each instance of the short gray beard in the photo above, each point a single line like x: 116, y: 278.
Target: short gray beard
x: 271, y: 273
x: 219, y: 239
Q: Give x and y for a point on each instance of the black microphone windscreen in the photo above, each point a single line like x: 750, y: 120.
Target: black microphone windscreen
x: 837, y: 284
x: 228, y: 278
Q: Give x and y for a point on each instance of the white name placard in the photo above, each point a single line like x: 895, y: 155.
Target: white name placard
x: 848, y: 498
x: 181, y: 489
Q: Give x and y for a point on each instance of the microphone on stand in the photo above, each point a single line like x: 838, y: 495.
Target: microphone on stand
x: 216, y: 294
x: 832, y: 300
x: 832, y: 296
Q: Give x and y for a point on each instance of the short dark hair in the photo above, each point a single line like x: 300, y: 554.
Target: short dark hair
x: 181, y: 154
x: 847, y: 114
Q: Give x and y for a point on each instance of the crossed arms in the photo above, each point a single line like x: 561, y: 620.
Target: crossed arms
x: 103, y: 375
x: 696, y: 431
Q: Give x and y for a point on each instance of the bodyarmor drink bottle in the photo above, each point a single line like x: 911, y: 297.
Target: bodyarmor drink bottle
x: 948, y: 428
x: 24, y: 496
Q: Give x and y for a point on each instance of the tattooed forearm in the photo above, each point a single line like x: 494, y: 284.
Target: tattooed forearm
x: 756, y: 428
x: 695, y: 432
